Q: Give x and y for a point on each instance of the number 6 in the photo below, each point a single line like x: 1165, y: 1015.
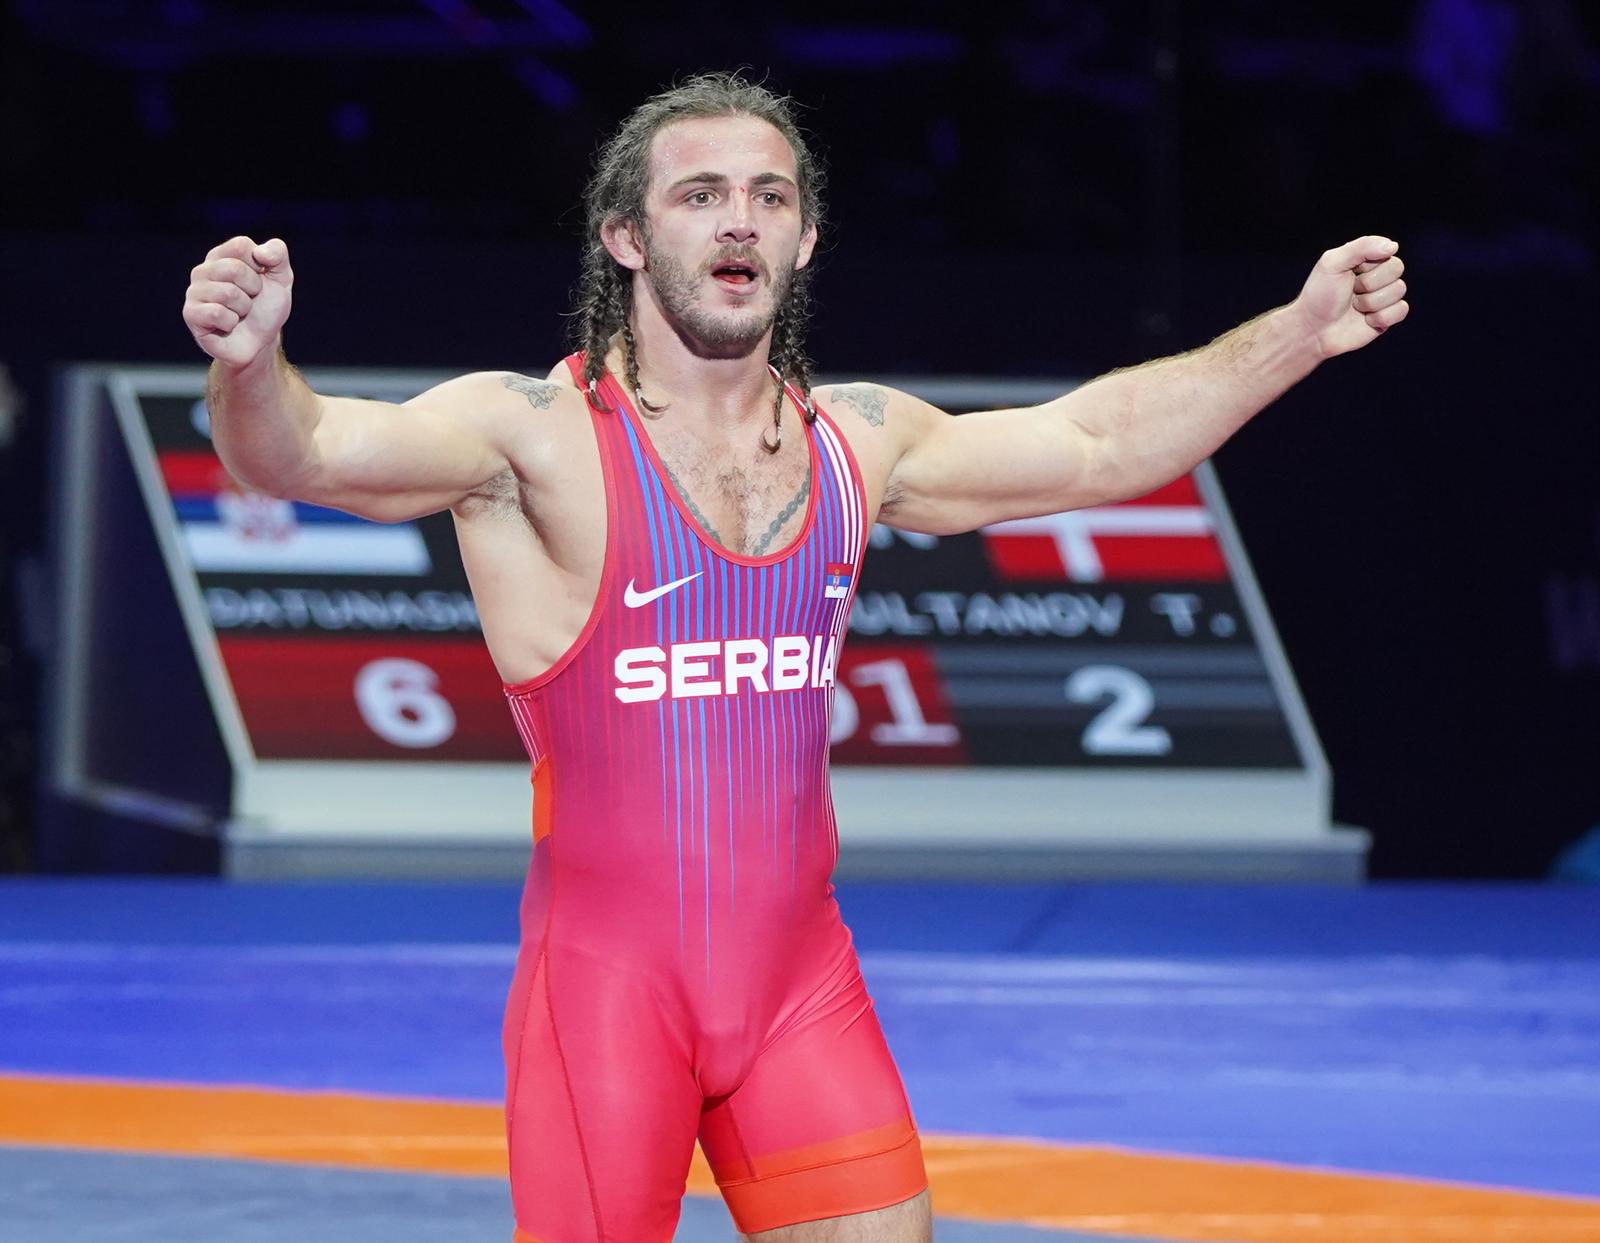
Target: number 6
x: 398, y: 702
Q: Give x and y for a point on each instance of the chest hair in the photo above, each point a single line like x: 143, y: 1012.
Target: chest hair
x: 750, y: 505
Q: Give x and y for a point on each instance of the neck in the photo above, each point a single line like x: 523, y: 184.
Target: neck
x: 729, y: 391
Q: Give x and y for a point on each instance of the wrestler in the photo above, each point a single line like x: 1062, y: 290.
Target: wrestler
x: 662, y: 537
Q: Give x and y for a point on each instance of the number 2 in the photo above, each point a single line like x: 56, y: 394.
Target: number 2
x: 1119, y: 728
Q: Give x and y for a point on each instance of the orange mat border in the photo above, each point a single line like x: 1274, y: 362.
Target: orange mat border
x: 1097, y: 1190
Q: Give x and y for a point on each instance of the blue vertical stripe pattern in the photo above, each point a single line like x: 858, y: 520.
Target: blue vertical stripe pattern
x: 665, y: 569
x: 772, y: 745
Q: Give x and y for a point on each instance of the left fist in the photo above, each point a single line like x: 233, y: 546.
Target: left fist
x: 1353, y: 295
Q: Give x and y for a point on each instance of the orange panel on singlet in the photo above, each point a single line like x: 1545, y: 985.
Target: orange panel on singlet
x: 541, y: 800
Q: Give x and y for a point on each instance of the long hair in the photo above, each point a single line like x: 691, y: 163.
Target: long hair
x: 616, y: 192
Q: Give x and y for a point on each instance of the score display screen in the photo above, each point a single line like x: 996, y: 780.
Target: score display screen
x: 1111, y: 636
x: 1107, y: 637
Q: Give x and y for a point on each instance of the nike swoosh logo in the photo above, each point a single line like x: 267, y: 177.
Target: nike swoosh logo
x: 637, y: 599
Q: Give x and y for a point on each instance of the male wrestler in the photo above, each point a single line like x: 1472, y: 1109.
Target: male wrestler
x: 662, y: 539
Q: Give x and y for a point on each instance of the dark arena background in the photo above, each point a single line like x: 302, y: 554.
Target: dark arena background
x: 1110, y: 1024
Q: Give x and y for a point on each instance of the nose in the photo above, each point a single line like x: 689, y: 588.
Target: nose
x: 737, y: 223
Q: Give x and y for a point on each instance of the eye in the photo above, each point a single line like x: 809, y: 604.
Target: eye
x: 772, y: 198
x: 699, y: 198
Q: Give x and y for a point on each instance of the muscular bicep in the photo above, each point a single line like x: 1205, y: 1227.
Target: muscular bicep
x: 956, y: 473
x: 392, y: 462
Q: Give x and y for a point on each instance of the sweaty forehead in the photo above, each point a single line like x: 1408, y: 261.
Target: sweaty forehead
x: 736, y: 147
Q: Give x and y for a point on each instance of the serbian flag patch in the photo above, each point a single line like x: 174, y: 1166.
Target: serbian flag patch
x: 838, y: 581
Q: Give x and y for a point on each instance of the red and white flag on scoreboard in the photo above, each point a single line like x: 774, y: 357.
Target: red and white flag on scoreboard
x: 229, y: 530
x: 1168, y: 534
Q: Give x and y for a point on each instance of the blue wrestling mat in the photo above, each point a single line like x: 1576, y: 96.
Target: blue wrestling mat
x: 1431, y: 1032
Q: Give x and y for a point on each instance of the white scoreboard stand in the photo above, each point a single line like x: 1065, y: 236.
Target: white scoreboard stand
x: 1098, y: 694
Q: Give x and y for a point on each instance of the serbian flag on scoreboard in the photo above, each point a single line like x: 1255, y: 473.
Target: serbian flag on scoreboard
x: 837, y: 580
x: 1167, y: 534
x: 229, y: 530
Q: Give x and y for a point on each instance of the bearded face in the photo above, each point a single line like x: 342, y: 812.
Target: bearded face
x: 727, y: 303
x: 721, y: 237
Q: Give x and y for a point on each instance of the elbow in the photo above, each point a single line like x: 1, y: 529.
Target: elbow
x: 276, y: 480
x: 1098, y: 476
x: 272, y: 449
x: 281, y: 487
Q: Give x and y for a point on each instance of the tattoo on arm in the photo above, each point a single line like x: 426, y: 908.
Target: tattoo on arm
x: 867, y: 400
x: 540, y: 393
x: 705, y: 523
x: 795, y: 501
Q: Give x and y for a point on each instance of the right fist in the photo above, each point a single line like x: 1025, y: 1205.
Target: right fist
x: 238, y: 299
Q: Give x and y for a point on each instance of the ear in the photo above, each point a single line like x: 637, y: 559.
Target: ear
x: 623, y: 241
x: 808, y: 243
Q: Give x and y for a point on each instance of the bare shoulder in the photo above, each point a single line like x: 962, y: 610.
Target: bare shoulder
x: 508, y: 408
x: 539, y: 393
x: 534, y: 424
x: 877, y: 406
x: 488, y: 393
x: 867, y: 402
x: 879, y: 422
x: 562, y: 374
x: 876, y: 418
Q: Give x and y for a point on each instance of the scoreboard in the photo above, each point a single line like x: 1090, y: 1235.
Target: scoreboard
x: 1103, y: 638
x: 1091, y: 686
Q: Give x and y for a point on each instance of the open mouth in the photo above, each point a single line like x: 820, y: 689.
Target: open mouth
x: 735, y: 274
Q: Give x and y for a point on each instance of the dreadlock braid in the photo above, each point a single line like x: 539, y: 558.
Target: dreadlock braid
x: 601, y: 303
x: 616, y: 193
x: 630, y: 363
x: 789, y: 341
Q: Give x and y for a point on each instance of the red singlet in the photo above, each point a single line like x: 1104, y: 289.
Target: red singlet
x: 684, y: 971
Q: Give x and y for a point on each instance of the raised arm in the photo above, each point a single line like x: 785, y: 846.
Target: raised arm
x: 1129, y: 432
x: 276, y: 435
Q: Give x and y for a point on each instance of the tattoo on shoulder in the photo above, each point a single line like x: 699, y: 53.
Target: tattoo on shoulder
x: 538, y: 392
x: 867, y: 400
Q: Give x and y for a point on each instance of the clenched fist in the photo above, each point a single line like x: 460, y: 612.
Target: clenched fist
x: 238, y: 299
x: 1354, y: 294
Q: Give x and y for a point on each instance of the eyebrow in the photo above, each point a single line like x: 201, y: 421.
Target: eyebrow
x: 718, y: 179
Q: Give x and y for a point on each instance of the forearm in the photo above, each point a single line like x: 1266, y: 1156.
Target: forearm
x: 263, y: 421
x: 1153, y: 423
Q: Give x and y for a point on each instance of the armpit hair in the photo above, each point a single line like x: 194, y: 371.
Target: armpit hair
x: 500, y: 497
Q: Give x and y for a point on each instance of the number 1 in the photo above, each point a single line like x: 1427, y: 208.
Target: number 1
x: 909, y: 727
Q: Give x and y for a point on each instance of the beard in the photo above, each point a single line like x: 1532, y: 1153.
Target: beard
x: 724, y: 333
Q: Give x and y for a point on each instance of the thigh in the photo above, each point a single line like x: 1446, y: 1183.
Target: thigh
x: 820, y: 1127
x: 907, y: 1222
x: 601, y: 1105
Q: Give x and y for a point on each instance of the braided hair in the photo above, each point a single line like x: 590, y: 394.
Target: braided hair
x: 616, y: 192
